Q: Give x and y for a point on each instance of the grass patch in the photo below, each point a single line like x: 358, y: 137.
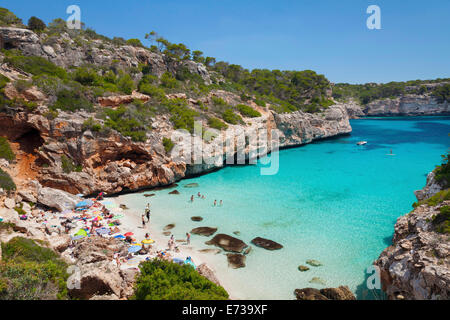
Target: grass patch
x: 35, y: 65
x: 435, y: 200
x: 163, y: 280
x: 5, y: 150
x: 69, y: 166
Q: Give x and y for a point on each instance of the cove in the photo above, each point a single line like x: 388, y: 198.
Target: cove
x: 331, y: 201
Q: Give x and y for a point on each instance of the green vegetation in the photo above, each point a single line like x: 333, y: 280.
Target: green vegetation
x: 6, y: 182
x: 217, y: 124
x: 442, y: 93
x: 442, y: 172
x: 5, y: 150
x: 366, y: 93
x: 182, y: 116
x: 435, y: 200
x: 163, y: 280
x: 72, y: 100
x: 135, y: 43
x: 247, y: 111
x: 69, y: 166
x: 229, y: 116
x: 91, y: 124
x: 7, y: 18
x: 168, y: 81
x: 168, y: 144
x: 35, y: 65
x: 442, y: 220
x: 36, y: 24
x: 126, y: 121
x: 31, y: 272
x: 3, y: 81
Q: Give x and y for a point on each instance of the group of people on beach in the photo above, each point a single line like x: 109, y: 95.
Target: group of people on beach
x: 199, y: 195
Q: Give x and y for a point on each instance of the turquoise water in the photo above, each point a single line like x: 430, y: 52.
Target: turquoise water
x: 331, y: 201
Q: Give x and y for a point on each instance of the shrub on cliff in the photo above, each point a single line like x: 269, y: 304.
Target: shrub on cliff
x: 135, y: 43
x: 229, y: 116
x: 125, y: 121
x: 442, y: 93
x: 31, y: 272
x: 5, y: 150
x: 163, y: 280
x: 217, y: 124
x: 442, y: 172
x: 72, y: 99
x: 182, y: 116
x: 168, y: 144
x: 441, y: 221
x: 247, y: 111
x: 35, y: 65
x: 3, y: 81
x: 6, y: 182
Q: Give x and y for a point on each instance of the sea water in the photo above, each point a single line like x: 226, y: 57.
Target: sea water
x: 331, y: 201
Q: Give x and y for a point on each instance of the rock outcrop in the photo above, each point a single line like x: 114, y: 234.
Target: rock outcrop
x: 227, y: 243
x: 266, y: 244
x: 430, y: 189
x: 417, y: 265
x: 340, y: 293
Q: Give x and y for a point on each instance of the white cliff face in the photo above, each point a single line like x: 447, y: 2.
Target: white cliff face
x: 410, y: 104
x: 406, y: 105
x: 431, y: 188
x: 239, y: 144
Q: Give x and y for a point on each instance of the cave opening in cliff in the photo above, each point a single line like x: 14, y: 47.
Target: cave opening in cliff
x: 135, y: 156
x: 30, y: 141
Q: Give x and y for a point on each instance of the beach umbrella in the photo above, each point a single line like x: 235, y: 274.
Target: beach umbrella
x: 78, y: 237
x: 84, y: 204
x: 148, y: 241
x: 134, y: 249
x: 119, y: 237
x: 129, y: 234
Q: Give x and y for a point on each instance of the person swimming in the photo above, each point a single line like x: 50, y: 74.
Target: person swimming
x: 199, y: 195
x: 221, y: 203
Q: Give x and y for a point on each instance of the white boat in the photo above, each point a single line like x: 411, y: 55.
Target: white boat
x: 361, y: 143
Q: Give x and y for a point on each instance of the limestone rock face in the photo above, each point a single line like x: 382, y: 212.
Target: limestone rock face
x: 115, y: 101
x: 57, y: 199
x: 417, y: 265
x: 430, y: 189
x: 208, y: 273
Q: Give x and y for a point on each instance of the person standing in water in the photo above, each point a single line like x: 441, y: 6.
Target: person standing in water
x: 192, y: 198
x: 188, y: 238
x: 215, y: 203
x: 221, y: 203
x: 147, y: 212
x: 143, y: 221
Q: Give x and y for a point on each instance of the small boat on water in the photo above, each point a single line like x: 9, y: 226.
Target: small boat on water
x: 362, y: 143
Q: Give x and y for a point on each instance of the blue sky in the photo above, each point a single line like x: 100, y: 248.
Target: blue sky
x: 327, y: 36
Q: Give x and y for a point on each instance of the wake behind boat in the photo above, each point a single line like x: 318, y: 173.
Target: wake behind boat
x: 362, y: 143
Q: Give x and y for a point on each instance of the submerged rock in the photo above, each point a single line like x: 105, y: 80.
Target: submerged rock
x: 192, y: 185
x: 149, y: 195
x: 197, y: 219
x: 314, y: 263
x: 169, y: 227
x: 204, y: 231
x: 213, y: 251
x: 174, y: 192
x: 228, y: 243
x: 303, y: 268
x: 266, y: 244
x: 236, y: 260
x: 167, y: 233
x: 237, y: 233
x: 124, y: 207
x: 317, y: 280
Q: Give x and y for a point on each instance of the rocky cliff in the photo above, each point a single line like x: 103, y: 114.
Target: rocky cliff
x: 112, y: 162
x: 417, y: 264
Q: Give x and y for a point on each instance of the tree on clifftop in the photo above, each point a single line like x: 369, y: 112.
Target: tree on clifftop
x: 36, y: 24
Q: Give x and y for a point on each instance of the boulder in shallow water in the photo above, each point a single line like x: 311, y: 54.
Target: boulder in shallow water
x: 169, y: 227
x: 314, y: 263
x: 192, y: 185
x: 149, y: 195
x: 204, y: 231
x: 309, y: 294
x: 197, y: 219
x: 303, y: 268
x: 211, y: 251
x: 228, y: 243
x: 266, y: 244
x: 340, y: 293
x: 167, y: 233
x: 236, y: 260
x: 317, y: 280
x: 174, y: 192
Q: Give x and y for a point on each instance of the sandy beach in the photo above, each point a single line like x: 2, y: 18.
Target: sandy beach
x: 132, y: 222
